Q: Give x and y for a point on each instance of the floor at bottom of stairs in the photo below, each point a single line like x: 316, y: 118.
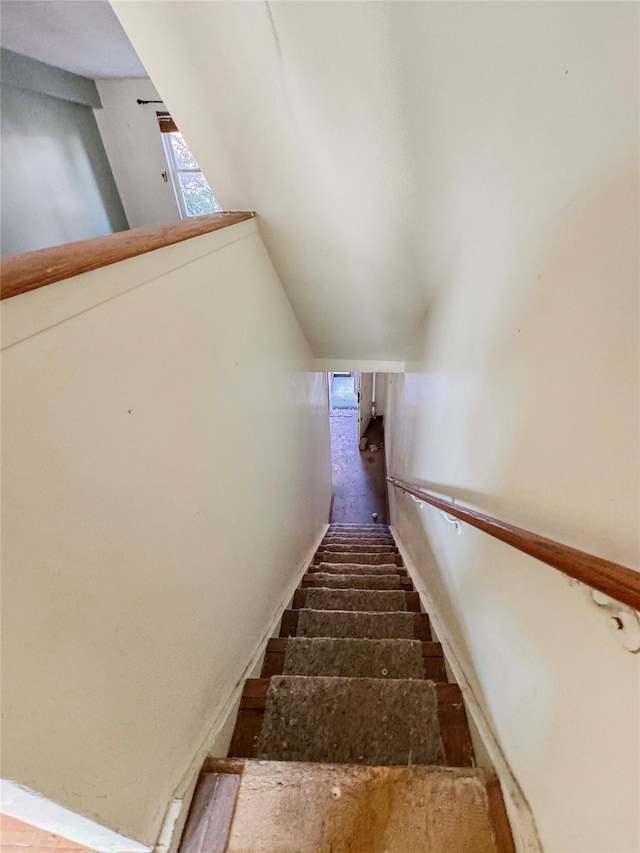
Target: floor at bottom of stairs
x: 359, y: 484
x: 290, y: 807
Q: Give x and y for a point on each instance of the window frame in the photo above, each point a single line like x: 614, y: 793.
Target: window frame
x: 175, y: 171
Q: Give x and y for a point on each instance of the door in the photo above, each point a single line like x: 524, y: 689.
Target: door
x: 364, y: 387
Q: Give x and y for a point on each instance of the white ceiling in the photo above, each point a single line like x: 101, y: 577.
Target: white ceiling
x: 393, y: 150
x: 82, y: 36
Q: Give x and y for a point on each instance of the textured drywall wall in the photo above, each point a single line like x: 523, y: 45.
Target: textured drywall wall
x: 524, y: 405
x: 57, y: 184
x: 166, y: 470
x: 132, y: 141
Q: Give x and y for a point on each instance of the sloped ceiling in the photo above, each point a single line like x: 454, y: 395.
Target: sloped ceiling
x: 83, y: 37
x: 384, y: 144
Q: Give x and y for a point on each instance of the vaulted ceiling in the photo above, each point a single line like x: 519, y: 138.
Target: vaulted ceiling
x: 391, y: 148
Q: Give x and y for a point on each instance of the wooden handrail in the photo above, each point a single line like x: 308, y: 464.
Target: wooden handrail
x: 21, y: 273
x: 614, y: 580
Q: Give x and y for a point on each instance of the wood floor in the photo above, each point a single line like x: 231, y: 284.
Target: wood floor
x: 19, y: 837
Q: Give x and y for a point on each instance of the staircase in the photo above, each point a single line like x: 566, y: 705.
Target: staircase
x: 352, y: 741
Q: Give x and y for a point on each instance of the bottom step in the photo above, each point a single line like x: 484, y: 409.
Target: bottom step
x: 290, y: 807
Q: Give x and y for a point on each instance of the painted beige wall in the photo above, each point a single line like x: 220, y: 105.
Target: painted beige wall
x: 365, y: 390
x: 523, y: 403
x: 381, y: 393
x: 166, y: 474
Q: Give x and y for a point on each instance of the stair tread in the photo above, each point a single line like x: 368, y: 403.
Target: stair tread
x: 297, y: 807
x: 351, y: 720
x: 356, y: 548
x: 368, y: 600
x: 355, y: 658
x: 328, y: 567
x: 362, y: 557
x: 358, y: 624
x: 338, y: 539
x: 353, y: 581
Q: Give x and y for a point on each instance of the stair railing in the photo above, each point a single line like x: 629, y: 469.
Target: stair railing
x: 614, y: 587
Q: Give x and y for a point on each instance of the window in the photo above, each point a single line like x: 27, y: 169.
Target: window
x: 193, y: 193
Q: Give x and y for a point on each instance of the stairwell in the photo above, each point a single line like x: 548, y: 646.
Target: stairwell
x: 352, y: 740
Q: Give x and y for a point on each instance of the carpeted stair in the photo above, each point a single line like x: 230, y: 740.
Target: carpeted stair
x: 351, y: 721
x: 331, y: 580
x: 356, y: 568
x: 355, y: 658
x: 353, y: 690
x: 371, y: 626
x: 350, y: 685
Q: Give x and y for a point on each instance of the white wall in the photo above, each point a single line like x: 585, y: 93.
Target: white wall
x: 133, y: 144
x: 365, y: 392
x: 381, y: 393
x: 166, y: 474
x: 524, y: 405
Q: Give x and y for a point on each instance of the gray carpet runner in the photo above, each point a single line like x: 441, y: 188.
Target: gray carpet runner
x: 354, y: 658
x: 351, y: 720
x: 374, y: 626
x: 335, y: 581
x: 353, y: 688
x: 340, y: 539
x: 356, y: 569
x: 367, y: 558
x: 356, y: 599
x: 359, y: 549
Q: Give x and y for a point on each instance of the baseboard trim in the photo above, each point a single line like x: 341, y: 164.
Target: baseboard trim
x: 178, y: 806
x: 523, y: 827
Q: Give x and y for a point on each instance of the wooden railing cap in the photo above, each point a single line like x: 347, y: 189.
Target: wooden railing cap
x: 616, y: 581
x: 31, y: 270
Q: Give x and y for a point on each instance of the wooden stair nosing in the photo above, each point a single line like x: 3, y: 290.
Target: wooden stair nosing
x: 210, y: 813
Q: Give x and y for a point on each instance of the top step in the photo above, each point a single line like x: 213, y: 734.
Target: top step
x: 291, y: 807
x: 380, y: 527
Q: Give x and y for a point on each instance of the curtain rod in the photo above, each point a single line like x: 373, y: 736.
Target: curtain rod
x: 139, y: 101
